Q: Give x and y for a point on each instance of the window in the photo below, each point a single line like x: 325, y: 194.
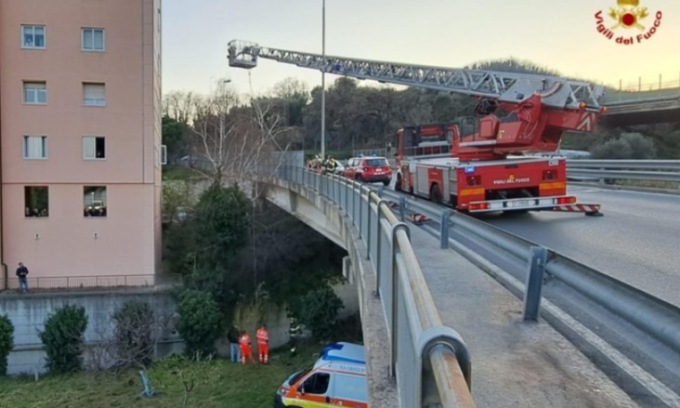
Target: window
x: 32, y: 36
x: 36, y: 201
x: 376, y: 162
x: 94, y: 201
x: 164, y: 155
x: 35, y: 93
x: 35, y: 147
x: 317, y: 384
x: 352, y: 387
x: 94, y: 94
x: 94, y: 147
x: 93, y: 39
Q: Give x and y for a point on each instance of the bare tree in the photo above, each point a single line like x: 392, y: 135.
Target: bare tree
x: 235, y: 140
x: 180, y: 105
x: 130, y: 341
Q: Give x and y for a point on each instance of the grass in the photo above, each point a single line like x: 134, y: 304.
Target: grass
x: 217, y: 383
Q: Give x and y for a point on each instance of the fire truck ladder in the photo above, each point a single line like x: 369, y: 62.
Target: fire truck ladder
x: 505, y: 87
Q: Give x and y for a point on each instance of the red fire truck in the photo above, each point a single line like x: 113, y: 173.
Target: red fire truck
x: 488, y: 167
x: 486, y: 170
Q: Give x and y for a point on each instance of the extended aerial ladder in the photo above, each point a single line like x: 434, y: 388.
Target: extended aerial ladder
x: 538, y: 108
x: 519, y: 113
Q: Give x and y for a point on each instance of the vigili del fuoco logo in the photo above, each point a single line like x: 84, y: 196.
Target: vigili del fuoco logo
x: 628, y: 23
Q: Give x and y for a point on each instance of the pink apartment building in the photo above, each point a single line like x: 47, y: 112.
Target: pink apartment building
x: 80, y: 132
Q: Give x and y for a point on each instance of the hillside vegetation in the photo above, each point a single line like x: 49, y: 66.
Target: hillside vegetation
x: 367, y: 117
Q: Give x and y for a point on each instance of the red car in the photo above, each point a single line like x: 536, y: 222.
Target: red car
x: 369, y: 169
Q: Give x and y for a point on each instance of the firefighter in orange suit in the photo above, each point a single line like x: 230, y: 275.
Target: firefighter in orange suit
x: 263, y: 344
x: 246, y: 351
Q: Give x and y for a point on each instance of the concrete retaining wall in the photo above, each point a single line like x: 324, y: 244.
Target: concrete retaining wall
x: 28, y: 313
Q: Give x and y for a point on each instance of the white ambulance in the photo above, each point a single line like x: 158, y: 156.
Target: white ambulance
x: 338, y: 378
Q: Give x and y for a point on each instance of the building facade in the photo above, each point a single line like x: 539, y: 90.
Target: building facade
x: 80, y: 140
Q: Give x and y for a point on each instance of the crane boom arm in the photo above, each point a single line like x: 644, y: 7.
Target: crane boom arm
x: 505, y: 87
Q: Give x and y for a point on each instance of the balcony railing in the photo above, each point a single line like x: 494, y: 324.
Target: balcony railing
x: 81, y: 282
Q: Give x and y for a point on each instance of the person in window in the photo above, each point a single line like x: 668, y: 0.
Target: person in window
x: 22, y: 273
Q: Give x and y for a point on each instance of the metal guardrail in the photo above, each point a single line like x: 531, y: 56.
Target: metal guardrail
x: 656, y: 318
x: 651, y: 170
x: 424, y: 351
x: 83, y: 282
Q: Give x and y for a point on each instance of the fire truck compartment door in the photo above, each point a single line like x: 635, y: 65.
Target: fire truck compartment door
x: 422, y: 185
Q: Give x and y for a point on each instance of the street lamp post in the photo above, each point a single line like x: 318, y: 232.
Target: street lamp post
x: 323, y: 80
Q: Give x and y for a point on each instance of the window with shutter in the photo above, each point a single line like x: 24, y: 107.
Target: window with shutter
x: 94, y: 148
x: 35, y: 147
x: 94, y: 94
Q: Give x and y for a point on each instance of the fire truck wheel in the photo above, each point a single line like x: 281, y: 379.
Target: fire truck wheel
x: 435, y: 194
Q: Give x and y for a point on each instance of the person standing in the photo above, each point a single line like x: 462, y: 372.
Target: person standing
x: 263, y: 344
x: 22, y: 272
x: 246, y: 351
x: 234, y: 349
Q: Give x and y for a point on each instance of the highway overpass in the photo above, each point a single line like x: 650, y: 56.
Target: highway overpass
x: 507, y: 361
x: 635, y: 108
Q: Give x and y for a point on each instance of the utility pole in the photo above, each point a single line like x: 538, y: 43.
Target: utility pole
x: 323, y: 81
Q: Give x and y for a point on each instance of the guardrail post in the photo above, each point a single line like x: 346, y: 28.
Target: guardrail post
x: 354, y: 206
x: 534, y: 284
x: 395, y: 285
x: 361, y: 213
x: 402, y: 209
x: 442, y: 339
x: 378, y: 241
x: 368, y: 223
x: 444, y: 232
x: 601, y: 181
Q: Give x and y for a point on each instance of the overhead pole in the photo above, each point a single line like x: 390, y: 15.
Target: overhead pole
x: 323, y: 80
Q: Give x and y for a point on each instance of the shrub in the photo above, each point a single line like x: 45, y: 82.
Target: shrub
x: 318, y: 311
x: 63, y: 339
x: 199, y: 322
x: 626, y: 147
x: 6, y: 341
x: 133, y: 334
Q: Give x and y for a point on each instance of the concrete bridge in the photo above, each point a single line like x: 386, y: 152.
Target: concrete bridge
x: 435, y: 325
x: 634, y: 108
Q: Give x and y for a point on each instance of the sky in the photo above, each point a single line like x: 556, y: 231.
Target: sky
x: 560, y: 35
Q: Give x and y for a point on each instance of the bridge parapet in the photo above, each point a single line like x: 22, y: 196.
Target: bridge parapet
x: 429, y: 360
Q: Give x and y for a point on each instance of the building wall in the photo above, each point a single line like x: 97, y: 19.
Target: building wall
x: 66, y: 243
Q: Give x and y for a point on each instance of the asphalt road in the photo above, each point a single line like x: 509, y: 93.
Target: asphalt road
x: 636, y: 241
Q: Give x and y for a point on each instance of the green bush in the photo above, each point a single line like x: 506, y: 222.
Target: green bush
x: 6, y: 341
x: 628, y: 146
x: 133, y: 334
x: 199, y: 322
x: 63, y: 339
x: 318, y: 311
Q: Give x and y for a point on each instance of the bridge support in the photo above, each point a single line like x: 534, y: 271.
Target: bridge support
x: 347, y: 270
